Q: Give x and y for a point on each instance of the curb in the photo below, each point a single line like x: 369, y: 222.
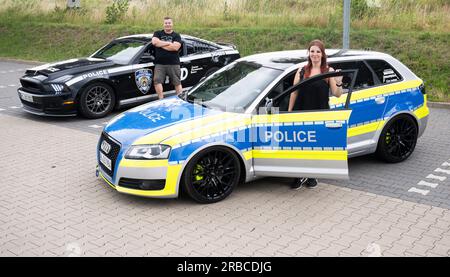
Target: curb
x: 440, y: 105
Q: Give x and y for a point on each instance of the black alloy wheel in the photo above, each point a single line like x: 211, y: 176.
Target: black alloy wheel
x: 212, y: 175
x: 398, y: 139
x: 97, y: 100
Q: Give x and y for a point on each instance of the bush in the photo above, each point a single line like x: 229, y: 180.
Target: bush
x: 360, y: 9
x: 116, y: 11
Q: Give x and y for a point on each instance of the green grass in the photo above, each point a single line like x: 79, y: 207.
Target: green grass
x: 424, y: 52
x: 414, y: 31
x: 423, y: 15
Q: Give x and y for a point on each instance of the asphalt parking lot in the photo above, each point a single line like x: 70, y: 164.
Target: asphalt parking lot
x: 53, y: 205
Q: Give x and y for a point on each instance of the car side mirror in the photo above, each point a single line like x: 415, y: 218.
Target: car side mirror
x: 147, y: 59
x: 268, y: 105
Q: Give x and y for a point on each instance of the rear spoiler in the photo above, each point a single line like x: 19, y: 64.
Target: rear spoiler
x: 227, y: 44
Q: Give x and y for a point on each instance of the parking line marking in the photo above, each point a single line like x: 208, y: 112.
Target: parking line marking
x: 426, y: 184
x: 14, y: 107
x: 104, y: 123
x: 1, y: 109
x: 446, y: 164
x: 440, y: 178
x: 2, y: 87
x: 12, y: 85
x: 420, y: 191
x: 95, y: 126
x: 442, y: 170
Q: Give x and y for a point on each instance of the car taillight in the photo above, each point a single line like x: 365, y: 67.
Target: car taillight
x: 422, y: 89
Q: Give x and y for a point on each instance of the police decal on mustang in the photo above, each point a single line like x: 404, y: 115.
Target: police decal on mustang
x: 235, y: 126
x: 119, y: 74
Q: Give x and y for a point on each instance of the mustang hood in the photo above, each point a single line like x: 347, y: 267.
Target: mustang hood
x: 151, y: 117
x: 69, y: 67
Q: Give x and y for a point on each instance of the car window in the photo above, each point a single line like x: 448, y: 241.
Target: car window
x: 312, y: 94
x: 148, y: 55
x: 364, y: 79
x: 281, y: 86
x: 234, y: 87
x: 384, y: 71
x: 197, y: 47
x: 121, y: 52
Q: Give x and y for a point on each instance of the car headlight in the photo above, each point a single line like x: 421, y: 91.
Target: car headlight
x: 58, y: 88
x: 148, y: 152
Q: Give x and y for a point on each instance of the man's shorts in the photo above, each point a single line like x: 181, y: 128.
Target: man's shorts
x: 173, y: 71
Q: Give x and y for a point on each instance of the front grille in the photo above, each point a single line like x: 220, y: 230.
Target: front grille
x: 142, y: 184
x: 31, y: 86
x: 112, y: 154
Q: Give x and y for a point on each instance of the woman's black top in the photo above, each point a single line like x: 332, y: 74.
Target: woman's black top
x: 313, y: 96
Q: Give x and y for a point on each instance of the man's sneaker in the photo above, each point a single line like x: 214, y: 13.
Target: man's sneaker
x: 298, y: 183
x: 311, y: 183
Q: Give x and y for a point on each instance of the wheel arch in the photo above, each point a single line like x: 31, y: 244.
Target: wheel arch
x: 100, y: 80
x: 242, y: 163
x: 393, y: 117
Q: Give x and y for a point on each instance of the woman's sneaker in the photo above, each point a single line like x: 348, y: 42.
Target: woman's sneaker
x: 311, y: 183
x: 298, y: 183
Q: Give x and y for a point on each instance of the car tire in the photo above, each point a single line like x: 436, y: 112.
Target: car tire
x: 211, y: 175
x: 96, y: 100
x: 398, y: 139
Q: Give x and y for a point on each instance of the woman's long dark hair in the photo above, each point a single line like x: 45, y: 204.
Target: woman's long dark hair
x: 323, y: 63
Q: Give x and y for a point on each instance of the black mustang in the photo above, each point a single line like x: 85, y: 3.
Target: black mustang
x: 119, y: 74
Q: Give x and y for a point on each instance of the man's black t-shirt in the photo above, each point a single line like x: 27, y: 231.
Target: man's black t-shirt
x: 163, y: 56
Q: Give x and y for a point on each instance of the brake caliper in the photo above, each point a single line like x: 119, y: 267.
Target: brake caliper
x: 198, y: 172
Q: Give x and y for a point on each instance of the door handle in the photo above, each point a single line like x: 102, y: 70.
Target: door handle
x: 333, y: 125
x: 380, y: 100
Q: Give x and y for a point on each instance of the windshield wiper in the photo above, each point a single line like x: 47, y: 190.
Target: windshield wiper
x: 198, y: 102
x: 183, y: 96
x: 203, y: 104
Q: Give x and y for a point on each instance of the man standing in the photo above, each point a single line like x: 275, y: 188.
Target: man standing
x: 167, y: 62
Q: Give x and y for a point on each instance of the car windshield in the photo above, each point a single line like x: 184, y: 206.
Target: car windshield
x: 234, y: 87
x: 120, y: 51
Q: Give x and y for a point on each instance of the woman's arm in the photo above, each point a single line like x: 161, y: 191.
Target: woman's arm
x: 335, y: 84
x: 294, y: 94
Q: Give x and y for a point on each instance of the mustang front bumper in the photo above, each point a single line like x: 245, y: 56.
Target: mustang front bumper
x: 44, y: 104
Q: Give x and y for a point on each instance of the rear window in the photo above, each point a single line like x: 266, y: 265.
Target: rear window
x: 384, y: 71
x: 364, y: 78
x: 196, y: 47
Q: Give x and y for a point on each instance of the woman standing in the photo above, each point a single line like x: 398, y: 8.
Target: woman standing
x: 314, y: 96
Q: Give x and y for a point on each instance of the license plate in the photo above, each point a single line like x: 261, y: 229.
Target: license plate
x: 26, y: 97
x: 105, y: 161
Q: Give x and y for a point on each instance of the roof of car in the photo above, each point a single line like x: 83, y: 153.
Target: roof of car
x: 285, y: 59
x: 148, y: 37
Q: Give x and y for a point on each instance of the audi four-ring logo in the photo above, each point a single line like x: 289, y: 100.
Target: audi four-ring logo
x: 106, y: 147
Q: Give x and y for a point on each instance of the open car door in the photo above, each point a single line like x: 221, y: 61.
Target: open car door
x: 303, y: 143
